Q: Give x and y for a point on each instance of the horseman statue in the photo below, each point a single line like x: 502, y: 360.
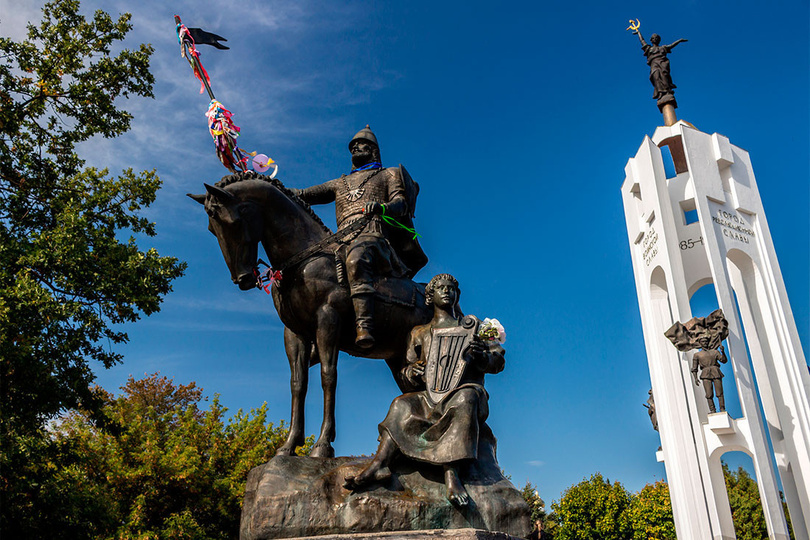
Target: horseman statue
x: 386, y: 245
x: 329, y: 289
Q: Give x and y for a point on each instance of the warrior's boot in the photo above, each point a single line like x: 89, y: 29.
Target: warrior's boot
x: 711, y: 405
x: 364, y: 318
x: 721, y: 401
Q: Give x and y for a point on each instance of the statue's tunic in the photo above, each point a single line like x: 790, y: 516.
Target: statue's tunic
x: 451, y: 430
x: 709, y: 363
x: 443, y: 433
x: 370, y: 252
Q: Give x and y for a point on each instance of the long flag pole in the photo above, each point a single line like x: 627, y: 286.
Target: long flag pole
x: 193, y: 60
x: 221, y: 126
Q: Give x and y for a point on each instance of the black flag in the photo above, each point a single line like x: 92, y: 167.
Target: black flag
x: 201, y: 37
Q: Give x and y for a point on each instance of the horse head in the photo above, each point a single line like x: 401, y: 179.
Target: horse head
x: 236, y: 221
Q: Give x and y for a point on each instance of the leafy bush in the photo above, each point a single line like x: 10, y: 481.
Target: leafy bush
x: 164, y: 467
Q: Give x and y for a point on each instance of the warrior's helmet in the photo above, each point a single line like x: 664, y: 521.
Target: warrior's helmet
x: 367, y: 135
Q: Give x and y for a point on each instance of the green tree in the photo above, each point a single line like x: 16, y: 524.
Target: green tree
x: 538, y: 510
x: 170, y: 469
x: 70, y: 268
x: 536, y: 504
x: 650, y: 513
x: 746, y: 506
x: 593, y: 509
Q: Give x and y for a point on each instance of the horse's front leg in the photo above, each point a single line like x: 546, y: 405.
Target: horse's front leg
x: 326, y: 338
x: 298, y: 353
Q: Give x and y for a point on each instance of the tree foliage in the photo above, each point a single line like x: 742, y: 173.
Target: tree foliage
x: 650, y: 513
x: 167, y: 469
x: 536, y: 504
x: 548, y: 523
x: 746, y: 506
x: 594, y: 508
x: 70, y: 268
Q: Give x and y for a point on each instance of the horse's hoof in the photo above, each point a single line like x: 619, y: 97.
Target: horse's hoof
x: 322, y: 450
x: 285, y: 451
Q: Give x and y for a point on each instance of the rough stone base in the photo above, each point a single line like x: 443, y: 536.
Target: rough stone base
x: 438, y: 534
x: 291, y: 497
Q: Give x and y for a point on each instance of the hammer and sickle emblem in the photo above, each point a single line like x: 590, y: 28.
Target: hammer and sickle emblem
x: 634, y: 25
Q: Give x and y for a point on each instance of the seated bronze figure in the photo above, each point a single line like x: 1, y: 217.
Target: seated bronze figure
x: 444, y: 422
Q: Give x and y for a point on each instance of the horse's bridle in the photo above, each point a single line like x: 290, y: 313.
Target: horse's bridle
x: 275, y: 274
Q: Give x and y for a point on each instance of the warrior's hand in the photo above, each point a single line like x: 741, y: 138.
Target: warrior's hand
x: 697, y: 381
x: 373, y: 208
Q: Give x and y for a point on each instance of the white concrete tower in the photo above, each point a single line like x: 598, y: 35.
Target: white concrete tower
x: 694, y: 216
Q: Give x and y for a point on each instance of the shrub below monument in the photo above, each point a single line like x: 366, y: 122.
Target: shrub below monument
x: 164, y: 468
x: 595, y: 508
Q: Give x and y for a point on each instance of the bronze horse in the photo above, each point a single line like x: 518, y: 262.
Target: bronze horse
x: 245, y: 209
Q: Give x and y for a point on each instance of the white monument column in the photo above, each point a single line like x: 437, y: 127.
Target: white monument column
x: 696, y: 221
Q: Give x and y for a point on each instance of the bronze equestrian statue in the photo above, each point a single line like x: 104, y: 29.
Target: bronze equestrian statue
x: 316, y: 302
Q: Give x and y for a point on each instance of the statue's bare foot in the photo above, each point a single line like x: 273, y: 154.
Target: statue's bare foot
x: 373, y: 473
x: 455, y: 489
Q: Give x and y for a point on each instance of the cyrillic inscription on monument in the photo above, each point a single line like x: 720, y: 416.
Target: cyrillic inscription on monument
x: 650, y: 246
x: 733, y: 226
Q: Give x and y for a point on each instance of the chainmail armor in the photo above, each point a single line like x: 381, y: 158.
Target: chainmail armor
x: 384, y: 187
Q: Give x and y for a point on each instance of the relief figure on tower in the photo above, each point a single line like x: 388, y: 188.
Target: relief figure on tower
x: 706, y: 334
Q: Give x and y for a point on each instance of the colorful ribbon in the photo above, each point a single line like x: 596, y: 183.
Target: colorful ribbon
x: 184, y: 35
x: 394, y: 223
x: 367, y: 166
x: 265, y: 280
x: 224, y: 132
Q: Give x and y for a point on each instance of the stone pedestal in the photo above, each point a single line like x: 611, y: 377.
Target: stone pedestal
x: 291, y: 497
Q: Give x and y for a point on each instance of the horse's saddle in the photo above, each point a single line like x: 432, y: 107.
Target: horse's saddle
x: 400, y: 291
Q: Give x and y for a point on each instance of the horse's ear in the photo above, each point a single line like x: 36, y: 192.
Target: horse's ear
x: 199, y: 198
x: 220, y: 194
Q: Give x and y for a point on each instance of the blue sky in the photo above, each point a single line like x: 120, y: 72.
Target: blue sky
x: 517, y: 120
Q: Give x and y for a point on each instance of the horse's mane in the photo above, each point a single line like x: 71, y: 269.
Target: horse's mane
x: 253, y: 175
